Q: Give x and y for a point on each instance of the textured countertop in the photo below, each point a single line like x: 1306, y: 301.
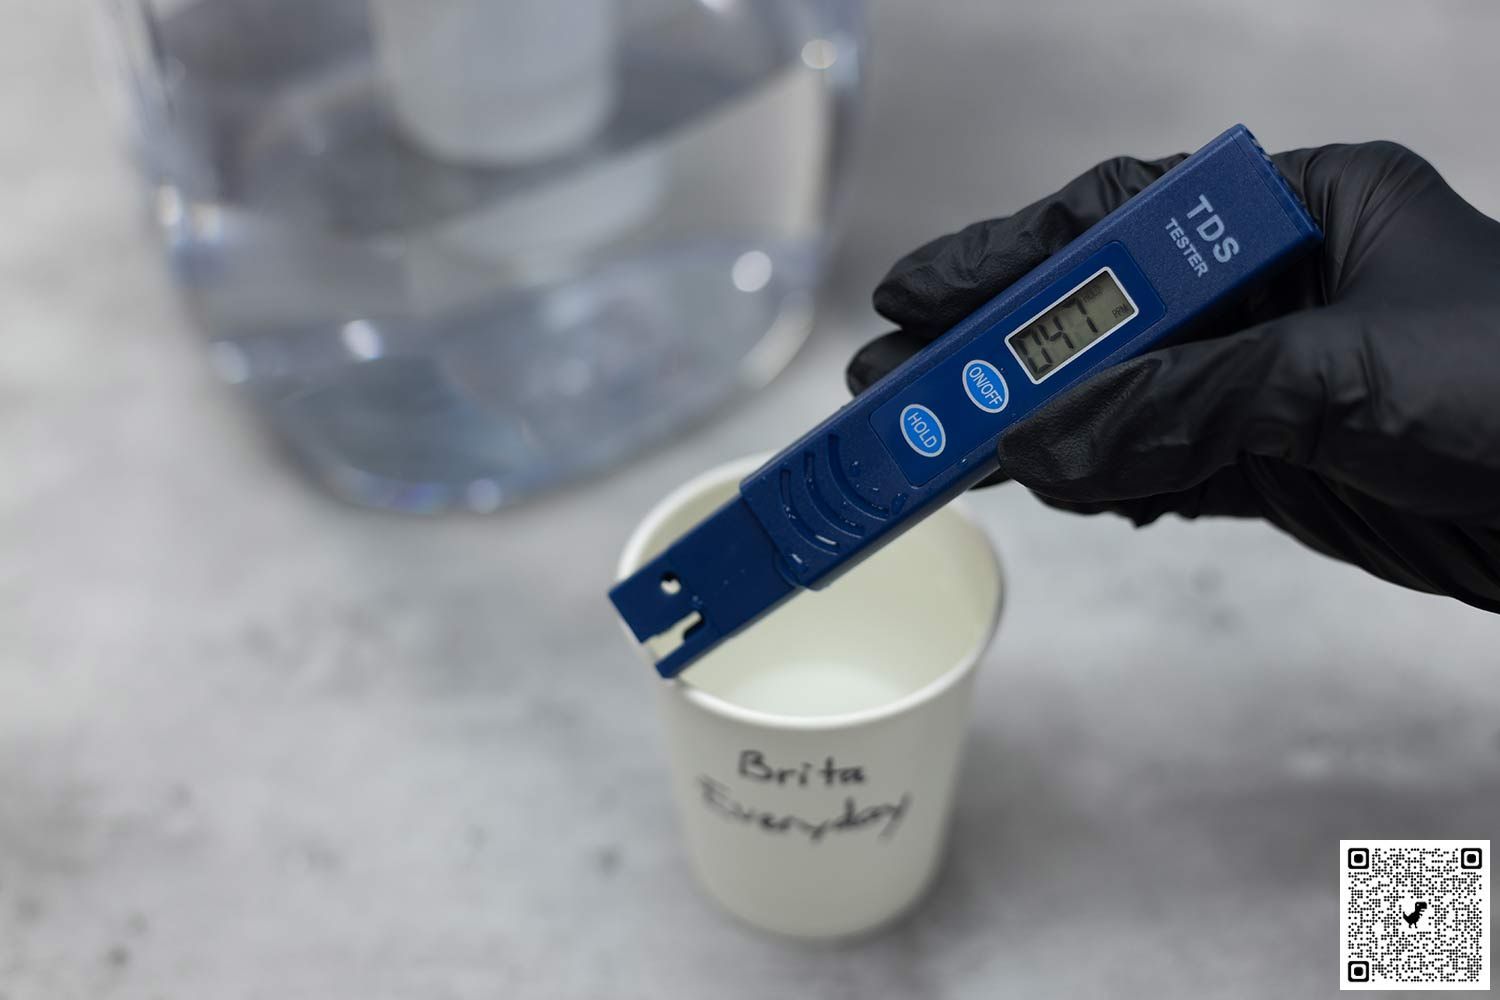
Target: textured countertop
x: 254, y: 743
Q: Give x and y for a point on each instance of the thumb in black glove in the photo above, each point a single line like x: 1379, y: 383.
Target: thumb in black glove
x: 1357, y: 406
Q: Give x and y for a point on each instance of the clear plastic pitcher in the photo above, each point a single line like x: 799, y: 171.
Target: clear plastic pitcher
x: 457, y: 251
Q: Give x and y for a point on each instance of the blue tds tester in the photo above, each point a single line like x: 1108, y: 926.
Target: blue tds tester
x: 926, y: 432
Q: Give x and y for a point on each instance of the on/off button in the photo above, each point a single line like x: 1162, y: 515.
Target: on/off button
x: 985, y: 386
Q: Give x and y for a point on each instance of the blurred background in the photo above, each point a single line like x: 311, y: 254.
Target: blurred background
x: 275, y: 275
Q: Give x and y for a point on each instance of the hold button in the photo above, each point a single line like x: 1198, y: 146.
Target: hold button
x: 923, y: 431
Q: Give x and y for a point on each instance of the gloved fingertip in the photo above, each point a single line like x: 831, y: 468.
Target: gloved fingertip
x: 1140, y: 512
x: 938, y: 284
x: 1072, y: 506
x: 912, y: 296
x: 872, y: 362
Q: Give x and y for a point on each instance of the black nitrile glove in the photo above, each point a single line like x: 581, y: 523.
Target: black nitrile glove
x: 1354, y: 403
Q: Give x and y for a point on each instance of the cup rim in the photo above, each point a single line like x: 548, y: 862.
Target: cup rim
x: 632, y: 557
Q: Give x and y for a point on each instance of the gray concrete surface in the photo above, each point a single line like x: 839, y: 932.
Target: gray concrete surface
x: 256, y: 744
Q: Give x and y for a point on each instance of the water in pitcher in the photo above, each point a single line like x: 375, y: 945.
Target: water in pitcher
x: 436, y: 311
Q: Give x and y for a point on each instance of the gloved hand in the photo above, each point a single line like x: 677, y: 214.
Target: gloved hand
x: 1354, y: 403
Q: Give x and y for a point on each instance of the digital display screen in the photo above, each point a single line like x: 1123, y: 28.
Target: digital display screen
x: 1081, y: 317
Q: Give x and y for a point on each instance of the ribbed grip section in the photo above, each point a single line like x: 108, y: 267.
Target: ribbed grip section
x: 824, y: 512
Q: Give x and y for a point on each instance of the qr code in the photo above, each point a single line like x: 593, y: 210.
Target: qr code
x: 1415, y: 914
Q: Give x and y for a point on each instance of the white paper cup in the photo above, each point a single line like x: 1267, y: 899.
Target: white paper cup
x: 814, y: 756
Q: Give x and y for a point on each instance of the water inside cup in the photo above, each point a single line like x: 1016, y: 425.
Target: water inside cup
x: 896, y: 623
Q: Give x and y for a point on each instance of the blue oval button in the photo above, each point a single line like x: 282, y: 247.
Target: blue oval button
x: 923, y: 431
x: 985, y: 386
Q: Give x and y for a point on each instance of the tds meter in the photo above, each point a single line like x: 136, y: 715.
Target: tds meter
x: 1200, y: 234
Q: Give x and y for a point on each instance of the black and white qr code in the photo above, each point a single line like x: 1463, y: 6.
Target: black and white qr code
x: 1415, y: 914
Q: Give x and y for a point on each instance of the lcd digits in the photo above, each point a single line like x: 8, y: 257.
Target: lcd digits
x: 1090, y: 311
